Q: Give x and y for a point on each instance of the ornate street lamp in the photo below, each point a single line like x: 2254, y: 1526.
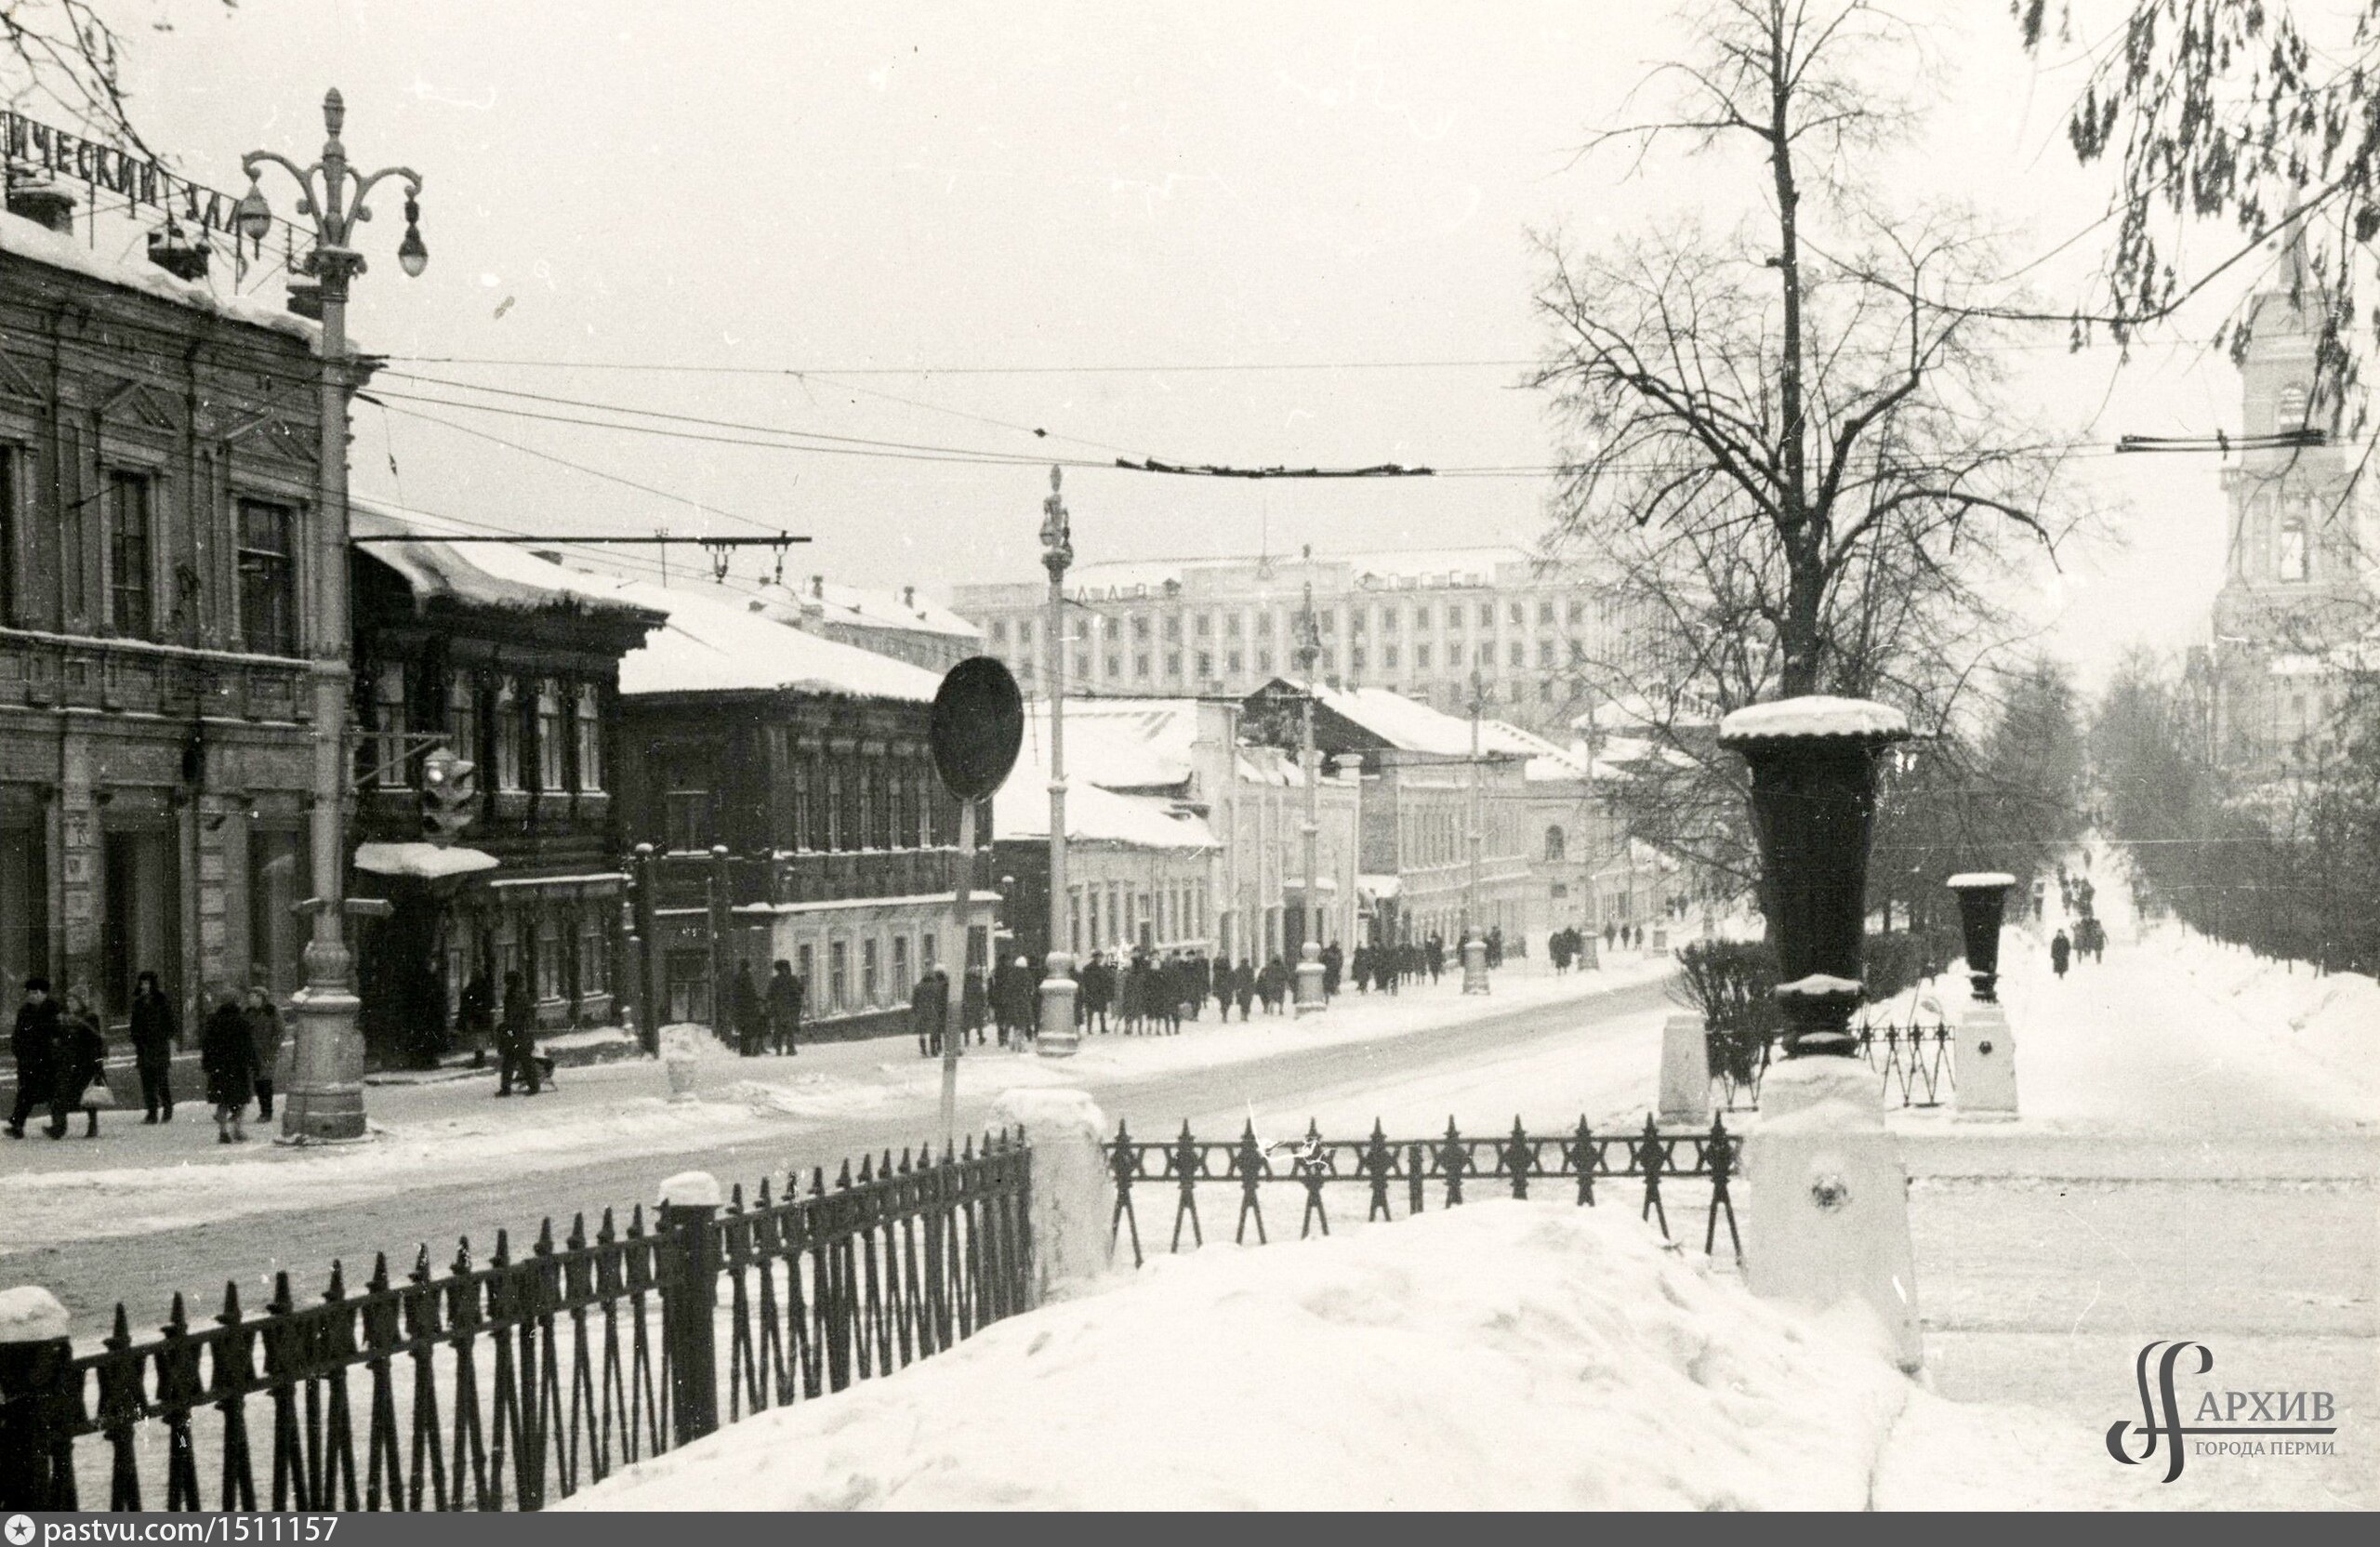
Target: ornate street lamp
x: 1059, y: 1038
x: 1814, y: 809
x: 1474, y: 939
x: 326, y: 1099
x: 1310, y: 974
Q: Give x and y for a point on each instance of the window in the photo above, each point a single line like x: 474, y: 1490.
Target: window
x: 268, y: 578
x: 1264, y: 661
x: 508, y: 734
x: 1355, y: 658
x: 1111, y: 625
x: 1082, y: 664
x: 1577, y: 612
x: 389, y: 725
x: 549, y: 958
x: 1486, y: 614
x: 590, y: 738
x: 1518, y: 613
x: 867, y: 971
x: 2290, y: 412
x: 1141, y: 627
x: 999, y: 631
x: 1233, y: 661
x: 2292, y: 560
x: 1141, y: 664
x: 1420, y: 658
x: 463, y: 716
x: 1206, y: 664
x: 7, y: 535
x: 838, y: 975
x: 1388, y: 656
x: 1518, y: 654
x: 1545, y: 612
x: 900, y: 964
x: 1421, y: 616
x: 1265, y: 625
x: 1173, y: 628
x: 1173, y: 663
x: 1388, y: 620
x: 686, y: 820
x: 1545, y: 652
x: 594, y: 954
x: 1231, y: 626
x: 1025, y: 633
x: 130, y: 603
x: 905, y: 828
x: 553, y: 738
x: 1203, y: 624
x: 1115, y: 665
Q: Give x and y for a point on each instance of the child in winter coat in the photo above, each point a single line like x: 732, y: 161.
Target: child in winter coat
x: 82, y: 1068
x: 227, y: 1055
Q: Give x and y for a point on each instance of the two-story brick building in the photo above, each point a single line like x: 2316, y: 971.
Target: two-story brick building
x: 158, y: 509
x: 489, y: 652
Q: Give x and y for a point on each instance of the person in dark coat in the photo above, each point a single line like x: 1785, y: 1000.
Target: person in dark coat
x: 930, y: 1011
x: 974, y: 1006
x: 2060, y: 948
x: 784, y: 1010
x: 1333, y: 959
x: 745, y: 1012
x: 34, y: 1044
x: 1271, y: 983
x: 1243, y: 987
x: 227, y: 1055
x: 516, y: 1044
x: 152, y: 1047
x: 264, y: 1027
x: 82, y: 1062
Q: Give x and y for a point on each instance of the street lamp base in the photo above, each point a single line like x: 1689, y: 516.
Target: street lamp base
x: 325, y: 1102
x: 1060, y: 1038
x: 1475, y: 966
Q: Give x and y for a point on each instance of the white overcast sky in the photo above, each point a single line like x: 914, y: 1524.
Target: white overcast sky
x: 803, y: 187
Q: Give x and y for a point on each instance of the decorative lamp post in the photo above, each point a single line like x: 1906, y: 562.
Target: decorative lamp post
x: 1059, y: 1038
x: 1310, y: 974
x: 1983, y: 897
x: 1814, y: 809
x: 1474, y: 939
x: 326, y: 1098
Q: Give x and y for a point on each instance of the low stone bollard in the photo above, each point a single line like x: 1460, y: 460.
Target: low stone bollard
x: 36, y: 1461
x: 1074, y: 1195
x: 1986, y: 1070
x: 689, y: 1279
x: 1685, y: 1070
x: 1828, y: 1216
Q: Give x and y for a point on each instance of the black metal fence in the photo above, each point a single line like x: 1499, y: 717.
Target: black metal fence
x: 1406, y: 1171
x: 1914, y: 1061
x: 507, y: 1381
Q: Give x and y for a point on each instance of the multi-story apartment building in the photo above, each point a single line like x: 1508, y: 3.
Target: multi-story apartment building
x: 899, y: 624
x: 2298, y: 599
x: 158, y: 615
x: 1417, y: 623
x: 490, y: 653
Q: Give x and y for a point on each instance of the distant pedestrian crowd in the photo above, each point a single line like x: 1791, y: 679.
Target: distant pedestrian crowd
x: 61, y: 1050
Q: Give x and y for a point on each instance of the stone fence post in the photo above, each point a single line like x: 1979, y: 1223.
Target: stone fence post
x: 36, y: 1456
x: 1073, y: 1194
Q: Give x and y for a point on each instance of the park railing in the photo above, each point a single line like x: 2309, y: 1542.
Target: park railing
x: 1394, y: 1172
x: 1912, y: 1060
x: 507, y: 1381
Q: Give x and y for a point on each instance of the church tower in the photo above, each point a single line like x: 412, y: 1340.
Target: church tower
x: 2296, y: 561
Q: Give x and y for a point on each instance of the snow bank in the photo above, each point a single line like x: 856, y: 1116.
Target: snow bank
x: 1504, y: 1355
x: 2331, y: 1020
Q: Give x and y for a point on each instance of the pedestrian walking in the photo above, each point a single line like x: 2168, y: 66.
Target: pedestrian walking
x: 34, y: 1044
x: 1333, y: 961
x: 152, y: 1047
x: 974, y: 1006
x: 226, y: 1056
x: 784, y: 1010
x: 516, y: 1045
x: 81, y: 1080
x: 2060, y: 948
x: 265, y: 1029
x: 929, y: 1010
x: 746, y: 1015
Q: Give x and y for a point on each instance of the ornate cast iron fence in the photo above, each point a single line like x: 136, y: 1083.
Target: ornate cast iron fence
x: 1914, y: 1061
x: 504, y: 1382
x: 1407, y: 1170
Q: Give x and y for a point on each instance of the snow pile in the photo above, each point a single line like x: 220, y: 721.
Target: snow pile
x: 1812, y: 715
x: 2331, y: 1019
x: 1504, y: 1355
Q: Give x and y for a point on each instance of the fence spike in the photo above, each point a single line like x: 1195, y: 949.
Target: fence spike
x: 761, y: 1200
x: 818, y: 1182
x: 867, y: 1169
x: 736, y: 1197
x: 230, y: 1314
x: 502, y: 1256
x: 282, y: 1303
x: 636, y: 1219
x: 420, y: 1274
x: 1379, y: 1134
x: 177, y: 1318
x: 905, y: 1159
x: 545, y: 1243
x: 1123, y: 1133
x: 967, y: 1148
x: 884, y: 1168
x: 337, y: 1286
x: 1313, y: 1130
x: 576, y: 1239
x: 1247, y: 1131
x: 463, y: 1255
x: 845, y: 1179
x: 122, y: 1336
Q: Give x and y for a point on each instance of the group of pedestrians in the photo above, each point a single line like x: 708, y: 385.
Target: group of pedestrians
x: 1384, y: 969
x: 766, y: 1020
x: 60, y: 1054
x: 1568, y: 946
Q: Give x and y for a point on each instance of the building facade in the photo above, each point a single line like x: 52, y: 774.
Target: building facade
x: 158, y: 521
x: 1419, y: 623
x: 2297, y: 592
x: 899, y: 624
x: 493, y: 657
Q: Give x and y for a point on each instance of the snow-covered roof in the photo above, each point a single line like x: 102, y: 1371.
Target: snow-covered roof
x: 1815, y: 714
x: 853, y: 606
x: 1411, y: 725
x: 706, y: 644
x: 1122, y: 743
x: 425, y: 861
x: 435, y: 570
x: 1021, y: 810
x: 1405, y: 565
x: 38, y: 244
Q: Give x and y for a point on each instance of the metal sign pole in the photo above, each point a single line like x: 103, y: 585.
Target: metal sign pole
x: 954, y: 1025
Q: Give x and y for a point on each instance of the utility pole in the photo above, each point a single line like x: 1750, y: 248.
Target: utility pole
x: 1058, y: 1038
x: 1475, y: 940
x: 325, y: 1097
x: 1310, y: 974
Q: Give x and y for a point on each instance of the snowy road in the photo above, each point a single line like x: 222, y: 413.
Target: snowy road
x: 1607, y: 1045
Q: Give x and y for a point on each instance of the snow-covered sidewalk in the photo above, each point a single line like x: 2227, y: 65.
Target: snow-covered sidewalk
x: 137, y: 1179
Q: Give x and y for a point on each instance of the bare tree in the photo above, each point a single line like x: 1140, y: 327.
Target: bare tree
x: 65, y: 58
x: 1789, y: 443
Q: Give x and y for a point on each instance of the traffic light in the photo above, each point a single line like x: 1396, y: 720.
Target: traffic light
x: 450, y: 795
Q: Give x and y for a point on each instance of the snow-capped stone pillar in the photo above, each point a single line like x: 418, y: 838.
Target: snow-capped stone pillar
x: 1686, y: 1069
x: 688, y: 1209
x: 35, y: 1460
x: 1074, y: 1197
x: 1827, y: 1219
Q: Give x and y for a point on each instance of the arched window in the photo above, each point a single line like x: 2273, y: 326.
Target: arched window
x: 2293, y: 552
x: 1556, y: 844
x: 2289, y: 410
